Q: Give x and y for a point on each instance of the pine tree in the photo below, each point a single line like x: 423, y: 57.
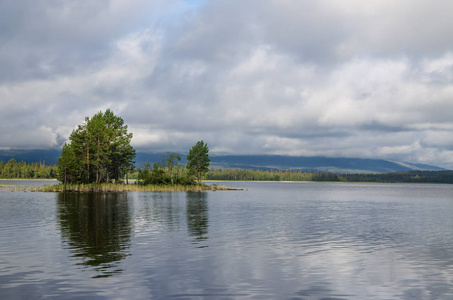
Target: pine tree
x: 100, y: 148
x: 170, y: 161
x: 68, y: 167
x: 198, y: 160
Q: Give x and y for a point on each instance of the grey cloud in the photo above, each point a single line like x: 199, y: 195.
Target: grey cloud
x: 413, y: 28
x: 329, y: 31
x: 334, y: 78
x: 47, y: 39
x: 378, y: 126
x: 309, y: 30
x: 222, y: 31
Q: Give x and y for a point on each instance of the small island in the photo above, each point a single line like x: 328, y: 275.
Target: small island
x: 99, y: 157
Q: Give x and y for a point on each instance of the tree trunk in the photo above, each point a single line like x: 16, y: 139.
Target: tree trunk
x: 98, y: 175
x: 88, y: 156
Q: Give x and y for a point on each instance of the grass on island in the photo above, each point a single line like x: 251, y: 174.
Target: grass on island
x: 18, y: 188
x: 28, y: 179
x: 111, y: 187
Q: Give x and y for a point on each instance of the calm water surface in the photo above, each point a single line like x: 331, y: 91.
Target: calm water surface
x: 270, y: 241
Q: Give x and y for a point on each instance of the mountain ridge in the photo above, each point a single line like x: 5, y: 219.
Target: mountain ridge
x: 275, y: 162
x: 317, y: 163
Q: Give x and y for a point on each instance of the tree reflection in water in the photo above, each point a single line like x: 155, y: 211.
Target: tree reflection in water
x: 97, y: 228
x: 197, y: 215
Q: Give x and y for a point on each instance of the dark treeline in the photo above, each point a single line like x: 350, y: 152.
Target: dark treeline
x: 168, y: 171
x: 269, y: 175
x: 23, y: 170
x: 402, y: 177
x: 279, y: 175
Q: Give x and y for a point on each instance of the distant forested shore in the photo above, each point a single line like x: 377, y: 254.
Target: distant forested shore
x: 99, y: 153
x: 22, y: 170
x: 286, y: 175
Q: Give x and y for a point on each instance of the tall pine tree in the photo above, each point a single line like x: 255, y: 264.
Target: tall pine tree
x: 98, y: 151
x: 198, y: 160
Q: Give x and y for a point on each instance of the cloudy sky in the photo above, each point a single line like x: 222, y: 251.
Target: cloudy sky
x: 341, y: 78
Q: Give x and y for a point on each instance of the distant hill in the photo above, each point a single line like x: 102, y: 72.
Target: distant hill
x: 279, y: 162
x: 318, y: 163
x: 49, y: 157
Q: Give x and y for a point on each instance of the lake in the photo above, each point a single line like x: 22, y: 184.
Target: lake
x: 269, y: 241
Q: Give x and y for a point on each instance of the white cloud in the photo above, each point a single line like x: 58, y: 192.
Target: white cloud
x: 335, y: 78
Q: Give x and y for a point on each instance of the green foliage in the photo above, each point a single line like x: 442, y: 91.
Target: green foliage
x: 22, y: 170
x: 168, y: 172
x: 403, y: 177
x: 111, y: 187
x: 99, y: 151
x: 67, y: 165
x: 198, y: 160
x: 163, y: 173
x: 170, y: 161
x: 269, y: 175
x: 154, y: 175
x: 278, y: 175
